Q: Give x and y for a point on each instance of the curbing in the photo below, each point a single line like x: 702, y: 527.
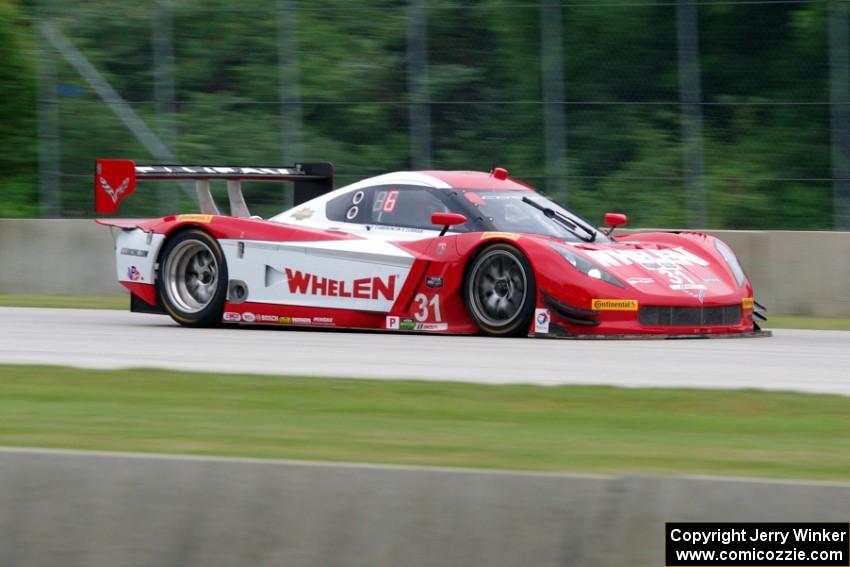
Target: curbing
x: 56, y: 257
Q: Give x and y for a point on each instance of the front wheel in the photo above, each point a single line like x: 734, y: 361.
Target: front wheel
x: 500, y: 291
x: 192, y: 281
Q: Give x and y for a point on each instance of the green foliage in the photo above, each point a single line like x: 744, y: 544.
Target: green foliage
x: 17, y: 115
x: 767, y: 157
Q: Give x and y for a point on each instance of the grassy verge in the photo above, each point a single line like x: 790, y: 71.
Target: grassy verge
x: 67, y: 301
x: 805, y: 322
x: 590, y: 429
x: 123, y: 302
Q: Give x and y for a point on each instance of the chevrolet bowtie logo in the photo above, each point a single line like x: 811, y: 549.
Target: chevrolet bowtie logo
x: 302, y: 214
x: 700, y: 295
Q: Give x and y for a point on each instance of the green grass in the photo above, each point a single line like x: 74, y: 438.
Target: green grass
x: 575, y: 428
x: 123, y: 302
x: 806, y: 322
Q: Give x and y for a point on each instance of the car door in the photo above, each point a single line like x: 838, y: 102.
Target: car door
x: 358, y: 269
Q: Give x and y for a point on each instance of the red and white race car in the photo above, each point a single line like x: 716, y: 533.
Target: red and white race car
x: 431, y: 251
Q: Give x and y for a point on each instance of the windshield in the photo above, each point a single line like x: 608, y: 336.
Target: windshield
x: 507, y: 212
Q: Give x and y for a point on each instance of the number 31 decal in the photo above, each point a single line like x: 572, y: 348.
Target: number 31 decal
x: 423, y: 312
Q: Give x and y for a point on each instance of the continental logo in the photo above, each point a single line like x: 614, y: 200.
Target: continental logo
x: 614, y: 304
x: 203, y: 219
x: 506, y: 235
x: 747, y: 303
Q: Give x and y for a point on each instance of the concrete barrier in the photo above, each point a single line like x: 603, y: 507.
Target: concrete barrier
x: 74, y: 508
x: 801, y: 273
x: 794, y: 272
x: 56, y: 257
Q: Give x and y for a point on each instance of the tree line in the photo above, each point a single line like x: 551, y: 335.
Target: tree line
x: 764, y: 72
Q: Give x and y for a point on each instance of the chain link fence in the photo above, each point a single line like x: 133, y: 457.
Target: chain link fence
x: 704, y: 114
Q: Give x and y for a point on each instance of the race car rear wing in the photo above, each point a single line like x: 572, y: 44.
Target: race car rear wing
x: 115, y: 179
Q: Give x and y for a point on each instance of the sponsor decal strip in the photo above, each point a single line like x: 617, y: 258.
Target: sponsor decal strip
x: 431, y: 326
x: 134, y: 252
x: 614, y: 304
x: 541, y: 321
x: 305, y: 283
x: 505, y: 235
x: 204, y: 219
x: 409, y: 324
x: 250, y: 317
x: 145, y: 170
x: 649, y: 259
x: 681, y: 287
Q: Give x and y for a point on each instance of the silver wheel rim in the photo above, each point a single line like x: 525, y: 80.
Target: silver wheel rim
x: 497, y: 288
x: 191, y: 276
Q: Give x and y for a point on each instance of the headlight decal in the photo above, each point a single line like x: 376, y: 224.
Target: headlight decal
x: 587, y: 267
x: 731, y: 261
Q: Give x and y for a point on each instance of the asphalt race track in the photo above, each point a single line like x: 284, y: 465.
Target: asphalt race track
x: 809, y: 361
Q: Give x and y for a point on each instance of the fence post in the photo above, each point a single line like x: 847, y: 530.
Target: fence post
x: 164, y: 95
x: 417, y: 83
x: 839, y: 92
x: 552, y: 76
x: 690, y: 96
x: 50, y: 185
x: 110, y: 96
x: 291, y: 141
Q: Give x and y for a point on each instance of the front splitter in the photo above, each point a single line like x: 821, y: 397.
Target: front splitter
x: 750, y: 335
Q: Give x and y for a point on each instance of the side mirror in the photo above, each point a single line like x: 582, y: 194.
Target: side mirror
x: 613, y: 220
x: 447, y: 220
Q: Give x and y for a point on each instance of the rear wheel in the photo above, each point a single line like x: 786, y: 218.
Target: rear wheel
x: 192, y: 281
x: 500, y: 291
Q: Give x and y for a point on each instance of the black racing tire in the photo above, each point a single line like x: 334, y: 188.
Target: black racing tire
x: 500, y: 291
x: 192, y: 279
